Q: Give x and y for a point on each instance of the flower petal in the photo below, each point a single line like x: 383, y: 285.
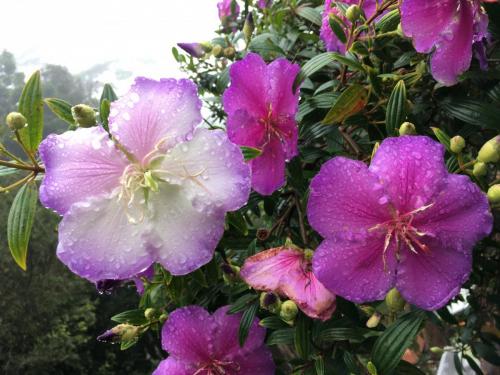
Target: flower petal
x: 281, y: 75
x: 265, y: 270
x: 79, y: 164
x: 248, y: 87
x: 411, y: 169
x: 97, y: 241
x: 210, y: 169
x: 184, y: 238
x: 245, y: 130
x: 355, y: 269
x: 346, y: 199
x: 289, y: 135
x: 416, y: 24
x: 459, y: 216
x: 155, y: 113
x: 430, y: 279
x: 259, y: 362
x: 268, y: 169
x: 171, y: 366
x: 188, y: 334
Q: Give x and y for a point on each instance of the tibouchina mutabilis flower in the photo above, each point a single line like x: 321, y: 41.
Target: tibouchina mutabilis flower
x: 331, y: 41
x: 261, y: 107
x: 228, y: 11
x: 194, y: 49
x: 203, y: 344
x: 447, y: 27
x: 155, y: 192
x: 288, y: 271
x: 403, y: 222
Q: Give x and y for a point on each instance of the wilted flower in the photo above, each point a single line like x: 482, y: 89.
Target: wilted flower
x: 228, y: 11
x: 404, y: 222
x: 447, y: 27
x: 287, y: 271
x: 332, y: 43
x: 261, y: 107
x: 157, y: 191
x: 200, y: 343
x: 194, y: 49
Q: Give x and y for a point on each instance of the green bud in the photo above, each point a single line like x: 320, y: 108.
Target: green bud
x: 270, y: 301
x: 229, y: 52
x: 206, y: 46
x: 289, y: 310
x: 436, y: 350
x: 308, y: 254
x: 490, y: 152
x: 15, y: 121
x: 149, y: 313
x: 217, y: 50
x: 353, y: 13
x: 480, y: 169
x: 84, y: 115
x: 394, y: 300
x: 407, y: 128
x: 374, y: 320
x: 457, y: 144
x: 230, y: 273
x: 368, y: 310
x: 163, y: 318
x: 248, y: 27
x: 372, y: 370
x: 494, y: 194
x: 126, y: 332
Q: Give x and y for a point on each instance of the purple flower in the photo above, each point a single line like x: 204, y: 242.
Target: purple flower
x: 261, y: 107
x: 447, y: 27
x: 228, y: 11
x: 155, y: 192
x: 404, y: 222
x: 204, y: 344
x: 262, y: 4
x: 332, y: 43
x: 194, y: 49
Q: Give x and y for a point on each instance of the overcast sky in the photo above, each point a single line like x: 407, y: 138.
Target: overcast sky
x: 134, y: 35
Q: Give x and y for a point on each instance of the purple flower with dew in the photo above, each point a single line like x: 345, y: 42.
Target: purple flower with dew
x: 332, y: 43
x: 194, y: 49
x: 403, y: 222
x: 448, y: 29
x: 228, y: 11
x: 261, y: 107
x: 262, y: 4
x: 203, y: 344
x: 157, y: 191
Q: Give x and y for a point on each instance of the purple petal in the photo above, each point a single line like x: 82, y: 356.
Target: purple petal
x: 184, y: 238
x: 355, y: 270
x: 155, y: 114
x: 411, y: 169
x: 430, y: 279
x: 79, y: 164
x: 210, y: 169
x: 459, y: 216
x: 97, y: 241
x: 346, y: 199
x: 262, y: 4
x: 268, y: 169
x: 332, y: 43
x: 171, y: 366
x: 194, y: 49
x: 148, y: 274
x: 259, y: 362
x: 187, y: 335
x: 245, y: 130
x: 281, y: 75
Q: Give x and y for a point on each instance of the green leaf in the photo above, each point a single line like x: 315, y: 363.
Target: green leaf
x: 389, y: 21
x: 20, y: 222
x: 104, y: 110
x: 350, y: 102
x: 391, y: 345
x: 442, y: 137
x: 127, y: 344
x: 309, y: 14
x: 31, y: 106
x: 250, y: 153
x: 246, y: 322
x: 6, y: 171
x: 319, y: 365
x: 473, y: 364
x: 108, y: 93
x: 242, y: 303
x: 475, y: 112
x: 458, y: 363
x: 272, y: 322
x: 135, y: 317
x: 354, y: 335
x: 281, y: 337
x: 302, y: 338
x: 337, y: 27
x: 396, y: 109
x: 61, y: 108
x: 237, y: 221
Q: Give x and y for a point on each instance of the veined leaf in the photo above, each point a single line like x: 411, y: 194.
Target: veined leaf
x: 442, y: 137
x: 302, y: 337
x: 309, y: 14
x: 135, y: 317
x: 281, y: 337
x: 61, y: 108
x: 250, y: 153
x: 31, y: 106
x: 107, y: 97
x: 350, y: 102
x: 246, y: 322
x: 396, y: 109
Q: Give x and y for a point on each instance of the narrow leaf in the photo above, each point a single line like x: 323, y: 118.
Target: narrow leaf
x: 61, y: 109
x: 135, y: 317
x: 396, y: 109
x: 246, y: 322
x: 442, y: 137
x: 309, y: 14
x: 250, y: 153
x: 281, y: 337
x: 31, y: 106
x: 350, y: 102
x: 302, y: 337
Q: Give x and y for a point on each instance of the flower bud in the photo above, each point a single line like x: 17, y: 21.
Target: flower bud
x: 457, y: 144
x: 374, y: 320
x: 217, y: 50
x: 394, y: 301
x: 490, y: 152
x: 229, y: 52
x: 407, y: 128
x: 149, y: 313
x: 308, y: 254
x: 83, y: 115
x: 230, y: 273
x: 194, y: 49
x: 163, y: 318
x: 121, y: 332
x: 494, y: 194
x: 15, y: 121
x: 270, y: 301
x: 480, y: 169
x: 289, y: 310
x: 248, y: 27
x: 353, y: 13
x: 370, y: 367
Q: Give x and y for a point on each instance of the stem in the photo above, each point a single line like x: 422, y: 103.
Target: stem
x: 11, y: 155
x: 36, y: 169
x: 26, y: 151
x: 17, y: 183
x: 303, y: 233
x: 350, y: 141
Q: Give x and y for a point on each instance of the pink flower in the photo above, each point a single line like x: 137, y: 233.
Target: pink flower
x: 288, y: 272
x: 261, y: 107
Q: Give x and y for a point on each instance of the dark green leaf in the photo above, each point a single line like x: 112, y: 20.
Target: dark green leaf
x: 20, y: 222
x: 405, y: 368
x: 135, y: 317
x: 104, y: 111
x: 31, y: 106
x: 237, y: 221
x: 337, y: 27
x: 127, y: 344
x: 350, y: 102
x: 309, y: 14
x: 61, y: 109
x: 250, y: 153
x: 281, y: 337
x: 319, y: 365
x: 242, y: 303
x: 389, y: 21
x: 396, y: 109
x: 487, y: 353
x: 475, y: 112
x: 345, y: 334
x: 246, y: 322
x: 302, y: 337
x: 273, y: 322
x: 473, y: 364
x: 458, y: 363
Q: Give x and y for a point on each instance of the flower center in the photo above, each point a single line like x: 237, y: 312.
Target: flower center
x: 216, y: 367
x: 272, y: 126
x: 401, y: 229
